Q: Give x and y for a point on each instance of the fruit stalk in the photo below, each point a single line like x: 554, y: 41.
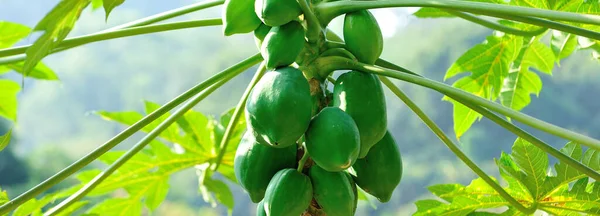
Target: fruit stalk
x: 312, y: 22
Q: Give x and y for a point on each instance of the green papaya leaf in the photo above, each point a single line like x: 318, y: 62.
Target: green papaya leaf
x: 8, y: 99
x: 4, y: 140
x: 56, y: 25
x: 428, y: 12
x: 117, y: 207
x: 73, y: 208
x: 563, y: 44
x: 11, y: 33
x: 489, y: 65
x: 3, y: 197
x: 40, y: 71
x: 96, y: 4
x: 109, y: 5
x: 213, y: 190
x: 528, y: 180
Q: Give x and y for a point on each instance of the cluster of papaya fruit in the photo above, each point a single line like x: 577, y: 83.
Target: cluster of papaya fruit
x: 306, y: 147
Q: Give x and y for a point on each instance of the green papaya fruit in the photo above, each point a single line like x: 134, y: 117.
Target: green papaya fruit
x: 363, y: 36
x: 260, y: 33
x: 260, y: 209
x: 278, y: 110
x: 277, y: 12
x: 289, y: 193
x: 283, y: 44
x: 354, y: 190
x: 239, y: 17
x: 255, y: 164
x: 332, y: 191
x: 361, y: 96
x: 380, y: 172
x: 332, y: 140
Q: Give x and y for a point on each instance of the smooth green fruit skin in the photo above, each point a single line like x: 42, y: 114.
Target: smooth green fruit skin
x: 260, y: 209
x: 239, y: 17
x: 278, y: 110
x: 333, y: 191
x: 380, y: 172
x: 255, y: 164
x: 361, y: 96
x: 332, y: 140
x: 354, y: 190
x: 277, y: 12
x: 282, y: 45
x: 363, y: 36
x: 289, y: 193
x: 260, y: 33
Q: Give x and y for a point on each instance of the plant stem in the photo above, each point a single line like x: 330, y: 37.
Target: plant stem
x: 551, y: 24
x: 495, y: 25
x: 78, y: 41
x: 338, y: 63
x: 234, y: 71
x: 453, y: 147
x: 329, y: 10
x: 302, y: 161
x: 237, y: 113
x: 523, y: 134
x: 141, y: 22
x: 168, y: 14
x: 534, y: 140
x: 82, y: 162
x: 314, y: 28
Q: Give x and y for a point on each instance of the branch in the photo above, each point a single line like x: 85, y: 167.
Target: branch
x: 497, y: 26
x: 338, y: 63
x: 329, y: 10
x: 237, y: 113
x: 232, y: 72
x: 453, y: 147
x: 79, y: 164
x: 314, y: 28
x: 168, y: 14
x: 102, y: 36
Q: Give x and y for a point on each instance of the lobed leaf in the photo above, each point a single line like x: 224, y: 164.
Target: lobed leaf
x: 8, y: 99
x: 56, y: 25
x: 4, y: 140
x: 109, y: 5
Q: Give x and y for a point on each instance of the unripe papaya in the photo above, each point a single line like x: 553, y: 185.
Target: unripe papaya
x: 332, y: 140
x: 277, y: 12
x: 333, y: 191
x: 363, y: 36
x: 283, y: 44
x: 354, y: 189
x: 260, y: 33
x: 361, y: 96
x: 380, y: 172
x: 239, y: 17
x: 260, y: 209
x: 255, y: 164
x: 278, y: 110
x: 289, y: 193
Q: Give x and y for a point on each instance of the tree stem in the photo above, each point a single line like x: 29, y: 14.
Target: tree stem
x: 314, y: 28
x: 496, y: 26
x: 329, y: 10
x: 237, y: 113
x: 337, y: 63
x: 82, y: 162
x: 101, y: 36
x: 302, y: 161
x: 233, y: 71
x: 453, y: 147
